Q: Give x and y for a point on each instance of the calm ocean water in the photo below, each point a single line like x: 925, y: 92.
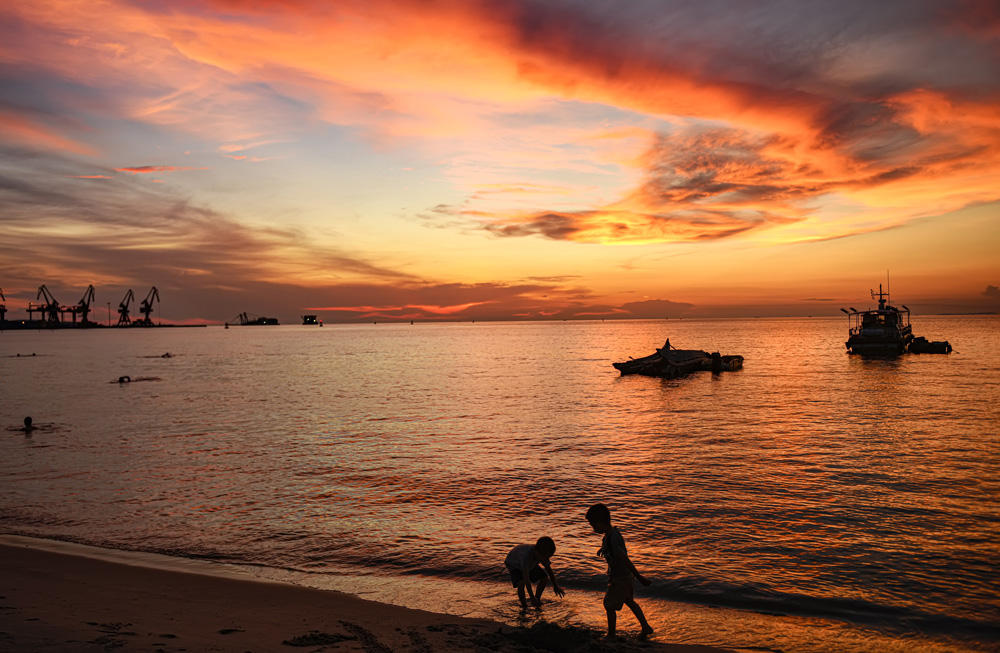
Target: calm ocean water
x: 811, y: 500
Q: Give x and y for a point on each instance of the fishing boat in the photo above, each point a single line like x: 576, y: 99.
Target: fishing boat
x: 670, y: 363
x: 886, y: 331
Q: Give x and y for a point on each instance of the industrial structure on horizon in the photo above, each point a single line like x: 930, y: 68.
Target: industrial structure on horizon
x: 54, y: 315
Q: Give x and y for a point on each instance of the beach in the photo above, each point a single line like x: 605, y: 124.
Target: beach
x: 57, y: 596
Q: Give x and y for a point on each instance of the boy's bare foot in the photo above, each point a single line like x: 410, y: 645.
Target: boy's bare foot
x: 646, y: 632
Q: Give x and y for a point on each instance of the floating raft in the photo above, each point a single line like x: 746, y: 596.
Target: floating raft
x: 921, y: 345
x: 673, y: 363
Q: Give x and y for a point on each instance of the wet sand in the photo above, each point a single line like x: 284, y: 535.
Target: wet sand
x: 57, y: 596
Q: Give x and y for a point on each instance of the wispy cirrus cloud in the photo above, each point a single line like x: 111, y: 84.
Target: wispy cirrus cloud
x: 123, y: 233
x: 148, y: 169
x: 21, y: 126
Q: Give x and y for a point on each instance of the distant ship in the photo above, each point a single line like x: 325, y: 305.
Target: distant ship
x: 886, y: 331
x: 246, y: 319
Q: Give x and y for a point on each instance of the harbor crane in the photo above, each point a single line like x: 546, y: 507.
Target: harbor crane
x: 123, y: 307
x: 83, y: 306
x: 3, y: 307
x: 50, y: 310
x: 146, y: 306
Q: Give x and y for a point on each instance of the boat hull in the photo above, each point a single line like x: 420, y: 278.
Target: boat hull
x: 675, y: 363
x: 876, y: 347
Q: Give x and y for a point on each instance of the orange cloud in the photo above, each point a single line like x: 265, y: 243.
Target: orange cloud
x: 20, y: 129
x: 423, y: 310
x: 145, y: 170
x: 792, y: 144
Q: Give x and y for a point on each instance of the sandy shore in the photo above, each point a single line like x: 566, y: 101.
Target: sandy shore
x: 63, y: 597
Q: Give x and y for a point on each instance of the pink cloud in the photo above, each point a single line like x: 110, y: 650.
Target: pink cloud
x: 144, y: 170
x: 30, y: 131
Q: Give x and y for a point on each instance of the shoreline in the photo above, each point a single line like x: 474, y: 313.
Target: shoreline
x: 58, y: 596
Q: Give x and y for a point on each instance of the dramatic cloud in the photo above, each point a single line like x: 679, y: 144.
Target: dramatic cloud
x: 122, y: 233
x: 527, y: 125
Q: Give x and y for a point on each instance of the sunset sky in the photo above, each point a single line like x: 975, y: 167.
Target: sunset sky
x: 499, y: 159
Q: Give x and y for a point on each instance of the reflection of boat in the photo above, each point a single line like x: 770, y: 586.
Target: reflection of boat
x: 671, y: 363
x: 886, y: 331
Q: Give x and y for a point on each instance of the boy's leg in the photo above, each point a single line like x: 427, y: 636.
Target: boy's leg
x: 520, y: 595
x: 637, y: 611
x: 612, y: 604
x: 541, y: 587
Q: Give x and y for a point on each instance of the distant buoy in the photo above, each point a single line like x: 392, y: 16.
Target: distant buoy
x: 124, y: 379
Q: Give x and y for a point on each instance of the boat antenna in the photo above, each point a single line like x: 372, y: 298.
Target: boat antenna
x: 888, y: 295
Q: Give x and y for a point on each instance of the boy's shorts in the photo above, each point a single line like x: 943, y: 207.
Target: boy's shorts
x: 536, y: 574
x: 619, y: 591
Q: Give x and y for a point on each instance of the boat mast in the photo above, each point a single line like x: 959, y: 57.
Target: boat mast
x: 882, y: 297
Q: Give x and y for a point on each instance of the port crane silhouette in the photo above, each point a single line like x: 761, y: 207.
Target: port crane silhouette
x: 123, y: 307
x: 146, y: 306
x: 50, y: 310
x: 83, y: 306
x: 3, y: 307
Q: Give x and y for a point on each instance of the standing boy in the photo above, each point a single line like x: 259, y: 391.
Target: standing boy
x: 620, y: 570
x: 524, y: 562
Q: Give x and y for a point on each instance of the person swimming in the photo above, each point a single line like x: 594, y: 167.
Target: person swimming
x: 28, y: 426
x: 129, y: 379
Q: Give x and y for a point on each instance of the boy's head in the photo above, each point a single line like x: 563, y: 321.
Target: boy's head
x: 545, y: 547
x: 599, y: 517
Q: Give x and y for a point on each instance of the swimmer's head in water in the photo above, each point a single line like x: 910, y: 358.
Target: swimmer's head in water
x: 27, y: 422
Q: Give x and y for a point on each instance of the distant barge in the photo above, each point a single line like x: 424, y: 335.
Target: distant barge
x: 886, y: 331
x: 670, y: 363
x: 247, y: 319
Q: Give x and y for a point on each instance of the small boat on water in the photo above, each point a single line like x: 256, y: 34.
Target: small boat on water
x: 886, y: 331
x: 670, y: 363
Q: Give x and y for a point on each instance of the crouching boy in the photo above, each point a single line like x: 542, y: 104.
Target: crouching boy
x: 525, y: 562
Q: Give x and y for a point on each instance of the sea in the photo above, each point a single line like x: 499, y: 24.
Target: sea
x: 812, y: 501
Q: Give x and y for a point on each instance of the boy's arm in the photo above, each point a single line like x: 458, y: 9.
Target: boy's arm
x: 552, y: 576
x: 619, y: 551
x: 642, y: 579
